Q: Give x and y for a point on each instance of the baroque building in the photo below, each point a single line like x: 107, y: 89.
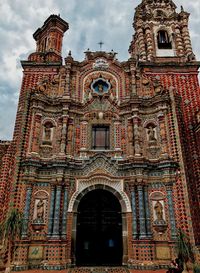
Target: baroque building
x: 104, y: 161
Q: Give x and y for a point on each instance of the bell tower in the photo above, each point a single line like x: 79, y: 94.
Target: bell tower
x: 49, y: 36
x: 161, y: 32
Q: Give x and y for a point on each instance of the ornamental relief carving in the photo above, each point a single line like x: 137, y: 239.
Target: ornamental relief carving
x: 99, y: 84
x: 114, y: 184
x: 53, y: 87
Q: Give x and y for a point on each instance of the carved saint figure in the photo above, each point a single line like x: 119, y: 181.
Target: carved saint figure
x: 159, y: 211
x: 47, y: 133
x: 100, y: 88
x: 40, y: 210
x: 151, y: 133
x: 130, y: 133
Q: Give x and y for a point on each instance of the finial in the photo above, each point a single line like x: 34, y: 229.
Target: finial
x: 182, y: 9
x: 70, y: 53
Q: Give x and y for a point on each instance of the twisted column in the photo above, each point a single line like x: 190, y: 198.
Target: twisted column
x: 64, y: 135
x: 179, y: 42
x: 187, y: 41
x: 141, y: 44
x: 150, y: 43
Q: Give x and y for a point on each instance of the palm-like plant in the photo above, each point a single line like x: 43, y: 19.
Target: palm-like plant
x: 10, y: 228
x: 184, y: 250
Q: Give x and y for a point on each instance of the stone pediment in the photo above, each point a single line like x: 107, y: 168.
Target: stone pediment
x: 100, y: 164
x: 100, y: 109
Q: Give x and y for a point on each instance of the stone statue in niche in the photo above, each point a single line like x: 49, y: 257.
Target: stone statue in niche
x: 151, y: 133
x: 100, y: 88
x: 39, y: 213
x: 159, y: 211
x: 160, y: 224
x: 47, y: 136
x: 40, y: 209
x: 47, y: 133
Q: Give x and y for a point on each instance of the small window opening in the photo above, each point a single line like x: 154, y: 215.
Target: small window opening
x: 100, y: 137
x: 163, y: 40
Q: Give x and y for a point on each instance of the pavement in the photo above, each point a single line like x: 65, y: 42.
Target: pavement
x: 68, y: 270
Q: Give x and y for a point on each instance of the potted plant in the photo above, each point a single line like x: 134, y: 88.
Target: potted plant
x: 11, y: 228
x: 184, y: 251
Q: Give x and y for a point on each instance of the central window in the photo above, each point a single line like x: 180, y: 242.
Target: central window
x: 100, y: 137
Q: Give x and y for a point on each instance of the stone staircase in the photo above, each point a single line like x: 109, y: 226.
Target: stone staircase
x: 100, y: 269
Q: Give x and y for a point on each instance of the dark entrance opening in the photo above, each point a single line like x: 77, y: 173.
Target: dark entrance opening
x: 99, y: 230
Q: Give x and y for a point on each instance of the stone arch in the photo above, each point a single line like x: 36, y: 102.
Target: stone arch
x: 150, y: 122
x: 84, y: 186
x: 48, y: 126
x: 50, y: 120
x: 125, y: 208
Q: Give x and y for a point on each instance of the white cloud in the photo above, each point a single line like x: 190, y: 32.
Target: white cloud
x: 90, y: 21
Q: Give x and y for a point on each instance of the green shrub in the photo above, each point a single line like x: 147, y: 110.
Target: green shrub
x: 196, y: 268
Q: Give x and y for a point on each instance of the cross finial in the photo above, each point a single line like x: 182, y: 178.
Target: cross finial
x: 100, y: 44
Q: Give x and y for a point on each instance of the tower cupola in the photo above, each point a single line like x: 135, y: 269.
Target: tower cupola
x: 49, y: 37
x: 161, y: 32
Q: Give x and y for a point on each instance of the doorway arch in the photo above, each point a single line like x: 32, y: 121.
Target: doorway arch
x: 119, y: 194
x: 99, y: 229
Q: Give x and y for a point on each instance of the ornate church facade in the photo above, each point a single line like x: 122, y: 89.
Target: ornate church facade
x: 104, y: 162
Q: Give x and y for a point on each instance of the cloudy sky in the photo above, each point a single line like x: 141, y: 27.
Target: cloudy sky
x: 90, y: 21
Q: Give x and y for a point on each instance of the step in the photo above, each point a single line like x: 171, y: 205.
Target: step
x: 100, y: 269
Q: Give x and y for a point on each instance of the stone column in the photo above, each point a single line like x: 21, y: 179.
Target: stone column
x: 64, y: 214
x: 179, y: 42
x: 36, y: 134
x: 150, y: 43
x: 51, y: 213
x: 26, y: 211
x: 69, y: 139
x: 137, y: 147
x: 133, y: 79
x: 64, y: 135
x: 171, y: 213
x: 57, y: 212
x: 134, y: 214
x: 117, y: 139
x: 84, y: 139
x: 130, y: 138
x: 186, y: 39
x: 141, y: 212
x: 68, y: 71
x: 163, y: 136
x: 141, y: 43
x: 147, y: 210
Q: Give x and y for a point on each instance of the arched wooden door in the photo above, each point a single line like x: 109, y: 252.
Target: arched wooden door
x: 99, y: 229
